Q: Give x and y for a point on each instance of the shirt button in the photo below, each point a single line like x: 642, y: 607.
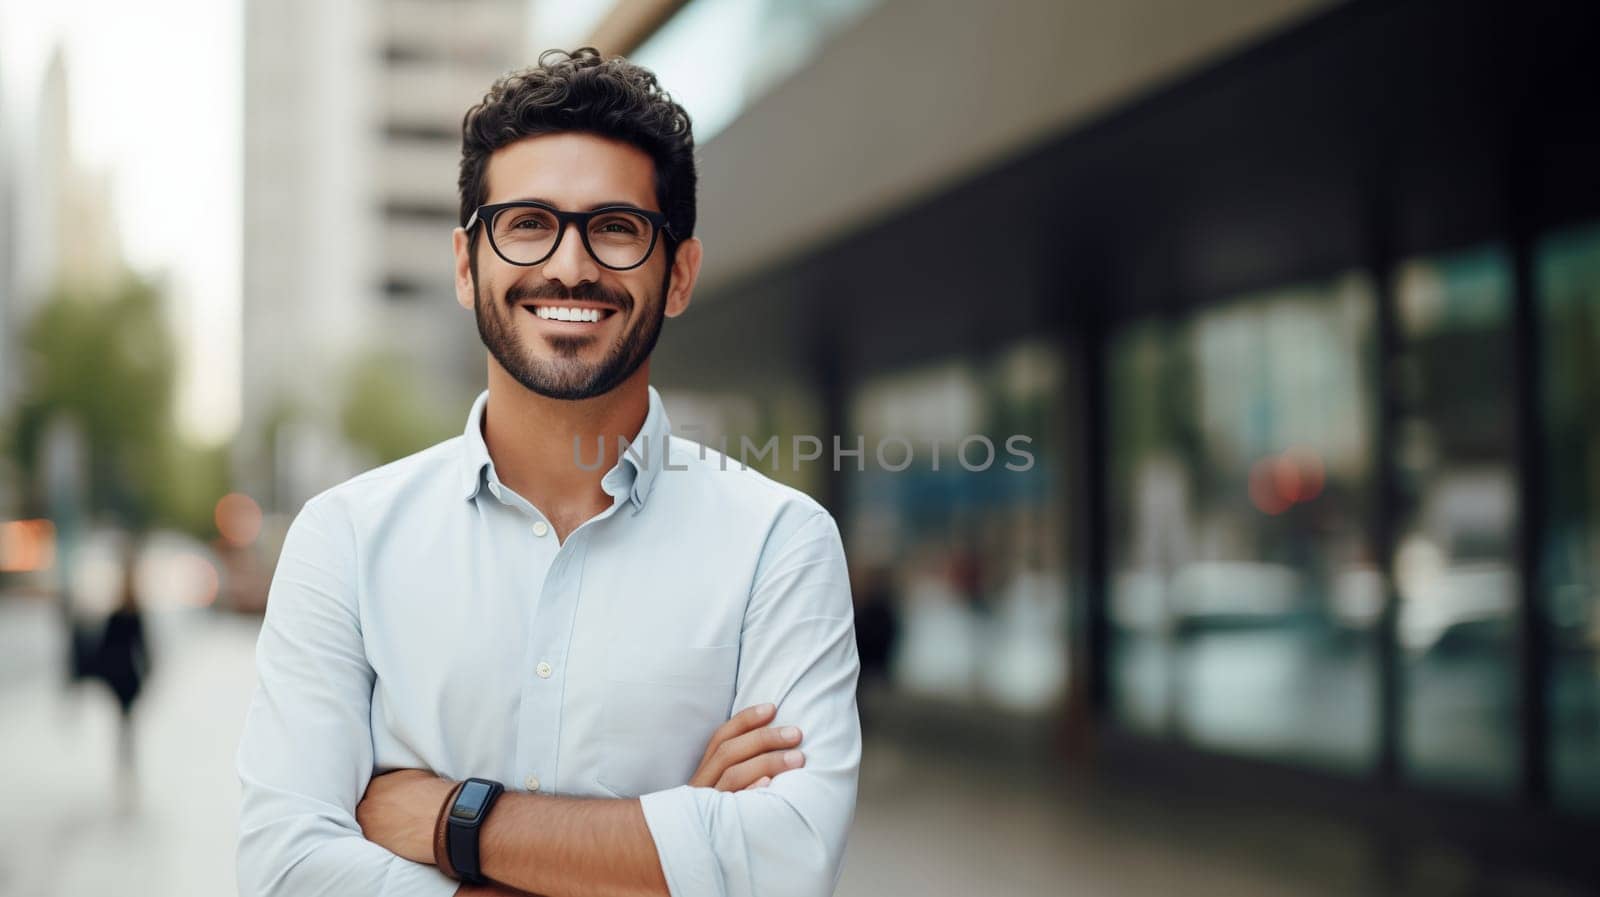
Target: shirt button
x: 543, y: 669
x: 540, y: 528
x: 532, y: 783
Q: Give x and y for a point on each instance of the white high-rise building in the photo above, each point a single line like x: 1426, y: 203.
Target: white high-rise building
x: 43, y: 165
x: 57, y: 227
x: 438, y: 59
x: 352, y: 141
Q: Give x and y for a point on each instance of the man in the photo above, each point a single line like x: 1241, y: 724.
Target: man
x: 629, y: 634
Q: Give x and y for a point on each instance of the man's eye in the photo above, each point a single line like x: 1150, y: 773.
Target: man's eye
x: 618, y: 225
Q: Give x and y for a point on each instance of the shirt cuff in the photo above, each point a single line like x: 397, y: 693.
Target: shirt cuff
x: 687, y: 861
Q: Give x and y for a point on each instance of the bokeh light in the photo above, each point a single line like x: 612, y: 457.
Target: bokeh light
x: 1265, y: 491
x: 1279, y: 482
x: 238, y: 519
x: 200, y: 583
x: 1309, y: 473
x: 27, y: 546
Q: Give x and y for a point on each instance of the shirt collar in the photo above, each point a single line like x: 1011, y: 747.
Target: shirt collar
x: 633, y: 475
x: 474, y: 452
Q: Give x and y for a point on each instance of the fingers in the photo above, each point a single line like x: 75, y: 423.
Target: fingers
x: 741, y: 722
x: 715, y: 760
x: 746, y: 719
x: 743, y: 752
x: 714, y: 769
x: 762, y: 782
x: 753, y: 744
x: 744, y: 775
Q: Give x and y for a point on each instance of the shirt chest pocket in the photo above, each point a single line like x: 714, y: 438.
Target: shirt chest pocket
x: 660, y: 708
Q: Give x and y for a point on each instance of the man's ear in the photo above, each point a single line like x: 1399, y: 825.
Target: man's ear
x: 685, y: 271
x: 462, y: 241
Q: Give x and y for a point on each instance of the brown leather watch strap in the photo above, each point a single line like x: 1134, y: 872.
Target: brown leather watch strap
x: 441, y: 831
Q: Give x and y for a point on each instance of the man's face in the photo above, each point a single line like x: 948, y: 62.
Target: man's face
x: 569, y: 359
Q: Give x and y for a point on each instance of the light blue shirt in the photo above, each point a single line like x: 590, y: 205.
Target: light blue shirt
x: 423, y: 615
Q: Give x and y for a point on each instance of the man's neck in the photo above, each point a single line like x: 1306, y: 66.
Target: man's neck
x: 535, y: 442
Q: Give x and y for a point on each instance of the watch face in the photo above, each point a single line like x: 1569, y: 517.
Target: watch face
x: 469, y: 803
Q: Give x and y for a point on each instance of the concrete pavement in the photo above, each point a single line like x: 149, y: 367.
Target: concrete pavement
x: 75, y: 823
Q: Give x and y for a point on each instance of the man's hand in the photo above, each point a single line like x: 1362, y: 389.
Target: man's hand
x: 400, y: 810
x: 742, y: 756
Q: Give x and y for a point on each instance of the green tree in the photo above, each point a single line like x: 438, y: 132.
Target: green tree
x: 388, y: 412
x: 106, y: 359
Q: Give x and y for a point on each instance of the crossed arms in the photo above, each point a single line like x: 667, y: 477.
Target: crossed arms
x: 554, y: 845
x: 306, y: 758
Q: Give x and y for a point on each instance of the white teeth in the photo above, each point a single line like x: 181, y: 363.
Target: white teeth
x: 558, y: 313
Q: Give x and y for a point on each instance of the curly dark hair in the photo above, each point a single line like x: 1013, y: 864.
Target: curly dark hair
x: 583, y: 91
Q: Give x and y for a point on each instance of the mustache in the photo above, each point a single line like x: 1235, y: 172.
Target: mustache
x: 583, y: 292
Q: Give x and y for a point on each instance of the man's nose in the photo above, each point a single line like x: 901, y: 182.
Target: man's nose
x: 570, y: 263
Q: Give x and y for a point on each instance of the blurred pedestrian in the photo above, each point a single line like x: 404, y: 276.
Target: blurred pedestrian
x: 877, y: 629
x: 877, y: 624
x: 122, y: 661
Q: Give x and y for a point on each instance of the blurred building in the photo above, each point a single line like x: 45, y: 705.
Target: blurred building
x: 70, y: 239
x: 10, y: 301
x: 8, y: 267
x: 1296, y: 304
x: 58, y: 228
x: 438, y: 59
x: 352, y: 141
x: 30, y: 255
x: 44, y: 166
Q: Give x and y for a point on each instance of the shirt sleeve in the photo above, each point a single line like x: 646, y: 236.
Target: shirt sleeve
x: 306, y: 754
x: 798, y: 651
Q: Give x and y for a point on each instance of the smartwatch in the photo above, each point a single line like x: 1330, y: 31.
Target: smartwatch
x: 472, y: 804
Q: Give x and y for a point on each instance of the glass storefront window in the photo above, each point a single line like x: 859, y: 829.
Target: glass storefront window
x: 1151, y: 524
x: 1567, y: 278
x: 1244, y: 593
x: 955, y: 528
x: 1456, y: 531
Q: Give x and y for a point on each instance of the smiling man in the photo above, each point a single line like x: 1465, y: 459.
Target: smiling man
x: 499, y: 667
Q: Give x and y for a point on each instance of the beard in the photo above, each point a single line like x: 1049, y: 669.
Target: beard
x: 567, y: 376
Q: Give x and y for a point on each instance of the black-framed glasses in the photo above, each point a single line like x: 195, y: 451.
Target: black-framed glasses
x: 526, y: 232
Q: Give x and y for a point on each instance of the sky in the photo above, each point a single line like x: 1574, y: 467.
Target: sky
x: 155, y: 95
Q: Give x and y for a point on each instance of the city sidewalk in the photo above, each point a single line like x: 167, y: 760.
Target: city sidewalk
x: 74, y: 824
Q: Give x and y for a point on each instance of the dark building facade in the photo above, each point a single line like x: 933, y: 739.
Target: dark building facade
x: 1303, y: 346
